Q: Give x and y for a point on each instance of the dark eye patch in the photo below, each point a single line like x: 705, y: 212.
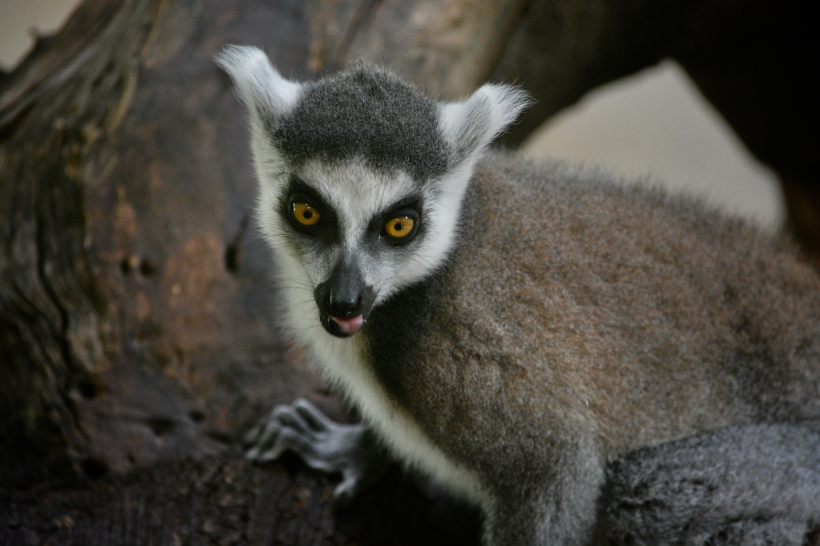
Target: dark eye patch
x: 326, y: 229
x: 410, y: 206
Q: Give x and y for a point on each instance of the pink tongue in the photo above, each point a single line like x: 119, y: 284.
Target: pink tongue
x: 349, y: 325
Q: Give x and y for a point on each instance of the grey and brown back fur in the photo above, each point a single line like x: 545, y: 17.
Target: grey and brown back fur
x: 566, y: 320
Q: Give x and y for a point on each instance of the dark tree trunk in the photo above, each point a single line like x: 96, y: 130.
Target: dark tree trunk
x: 133, y: 327
x: 136, y: 315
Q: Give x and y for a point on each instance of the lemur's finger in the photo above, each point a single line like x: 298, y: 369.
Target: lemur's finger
x: 313, y: 415
x: 309, y: 451
x: 285, y: 440
x: 347, y: 490
x: 287, y: 416
x: 266, y: 438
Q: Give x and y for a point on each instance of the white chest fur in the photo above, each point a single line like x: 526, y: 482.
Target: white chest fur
x: 342, y: 362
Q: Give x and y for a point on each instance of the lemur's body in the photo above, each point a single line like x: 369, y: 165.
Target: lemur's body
x: 531, y: 323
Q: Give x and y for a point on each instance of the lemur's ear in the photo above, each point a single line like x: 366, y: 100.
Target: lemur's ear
x: 257, y: 83
x: 471, y: 125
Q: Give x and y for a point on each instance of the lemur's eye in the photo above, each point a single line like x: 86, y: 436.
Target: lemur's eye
x: 399, y: 227
x: 305, y: 214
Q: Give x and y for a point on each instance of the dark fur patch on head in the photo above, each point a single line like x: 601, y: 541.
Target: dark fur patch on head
x: 369, y: 113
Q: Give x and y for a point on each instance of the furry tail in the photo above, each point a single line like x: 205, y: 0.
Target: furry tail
x: 750, y: 485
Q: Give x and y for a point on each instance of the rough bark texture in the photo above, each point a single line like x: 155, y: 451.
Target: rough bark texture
x: 224, y: 501
x: 136, y: 315
x: 135, y: 323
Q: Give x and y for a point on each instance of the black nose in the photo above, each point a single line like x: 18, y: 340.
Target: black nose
x: 346, y: 302
x: 344, y: 294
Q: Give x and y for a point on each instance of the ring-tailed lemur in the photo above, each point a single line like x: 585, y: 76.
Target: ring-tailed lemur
x: 508, y: 327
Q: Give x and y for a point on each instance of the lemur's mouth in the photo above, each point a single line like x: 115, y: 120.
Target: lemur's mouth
x: 344, y: 300
x: 342, y: 327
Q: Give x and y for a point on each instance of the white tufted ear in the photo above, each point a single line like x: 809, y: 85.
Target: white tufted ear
x: 471, y: 125
x: 257, y: 83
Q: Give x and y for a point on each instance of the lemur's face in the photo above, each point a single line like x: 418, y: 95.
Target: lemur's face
x: 356, y: 234
x: 361, y: 179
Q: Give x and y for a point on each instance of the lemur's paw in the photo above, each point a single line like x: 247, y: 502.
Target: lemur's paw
x: 322, y: 444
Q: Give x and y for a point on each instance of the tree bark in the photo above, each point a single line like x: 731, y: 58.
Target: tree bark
x: 137, y: 318
x: 225, y: 501
x: 132, y: 330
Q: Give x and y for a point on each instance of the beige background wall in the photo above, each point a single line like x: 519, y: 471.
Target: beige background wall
x: 653, y: 124
x: 19, y: 18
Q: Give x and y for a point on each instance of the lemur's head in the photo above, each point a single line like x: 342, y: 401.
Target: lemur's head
x: 361, y: 177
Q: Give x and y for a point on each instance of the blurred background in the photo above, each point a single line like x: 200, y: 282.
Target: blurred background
x: 654, y: 125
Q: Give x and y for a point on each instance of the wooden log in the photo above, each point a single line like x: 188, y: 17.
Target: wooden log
x: 136, y: 318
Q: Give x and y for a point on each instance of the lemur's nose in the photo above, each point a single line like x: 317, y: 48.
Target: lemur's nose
x: 344, y: 294
x: 344, y: 303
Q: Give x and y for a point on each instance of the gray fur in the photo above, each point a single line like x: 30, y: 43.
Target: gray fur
x: 365, y: 112
x: 548, y: 321
x: 753, y: 485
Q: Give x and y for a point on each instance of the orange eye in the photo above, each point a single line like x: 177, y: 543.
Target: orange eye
x: 399, y: 227
x: 305, y: 214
